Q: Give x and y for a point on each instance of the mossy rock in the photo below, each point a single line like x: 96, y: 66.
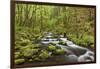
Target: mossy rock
x: 30, y: 60
x: 51, y: 48
x: 17, y: 55
x: 62, y: 43
x: 34, y: 56
x: 35, y: 51
x: 36, y: 46
x: 54, y: 44
x: 17, y: 47
x: 25, y: 42
x: 36, y: 59
x: 44, y: 54
x: 27, y: 47
x: 19, y: 61
x: 59, y: 52
x: 29, y: 52
x: 24, y: 34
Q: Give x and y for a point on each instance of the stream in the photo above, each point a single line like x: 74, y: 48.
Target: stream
x: 75, y: 52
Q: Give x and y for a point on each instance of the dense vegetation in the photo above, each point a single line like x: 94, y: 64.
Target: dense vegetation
x: 31, y: 21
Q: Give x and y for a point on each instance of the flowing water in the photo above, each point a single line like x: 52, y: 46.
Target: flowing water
x: 75, y: 52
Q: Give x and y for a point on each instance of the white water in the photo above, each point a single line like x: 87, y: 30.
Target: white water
x: 76, y: 52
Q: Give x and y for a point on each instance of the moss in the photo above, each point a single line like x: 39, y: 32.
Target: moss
x: 59, y: 52
x: 30, y: 60
x: 92, y: 46
x: 37, y: 59
x: 51, y: 48
x: 44, y: 54
x: 35, y: 51
x: 25, y: 42
x: 17, y: 55
x: 19, y: 61
x: 27, y: 53
x: 17, y: 47
x: 36, y: 46
x: 62, y: 43
x: 34, y: 56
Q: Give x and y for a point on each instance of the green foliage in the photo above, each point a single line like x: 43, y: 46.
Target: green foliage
x: 19, y: 61
x: 87, y: 40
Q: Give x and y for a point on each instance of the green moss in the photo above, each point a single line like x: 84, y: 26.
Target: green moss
x: 36, y: 46
x: 44, y: 54
x: 92, y: 46
x: 17, y: 55
x: 17, y: 47
x: 59, y: 51
x: 37, y: 59
x: 27, y: 53
x: 25, y: 42
x: 35, y: 51
x: 19, y: 61
x: 62, y: 43
x: 51, y: 48
x: 30, y: 60
x: 34, y: 56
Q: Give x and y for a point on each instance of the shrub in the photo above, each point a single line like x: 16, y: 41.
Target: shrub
x: 51, y: 48
x: 87, y: 40
x: 19, y: 61
x: 92, y: 46
x: 71, y: 36
x: 78, y: 41
x: 91, y: 39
